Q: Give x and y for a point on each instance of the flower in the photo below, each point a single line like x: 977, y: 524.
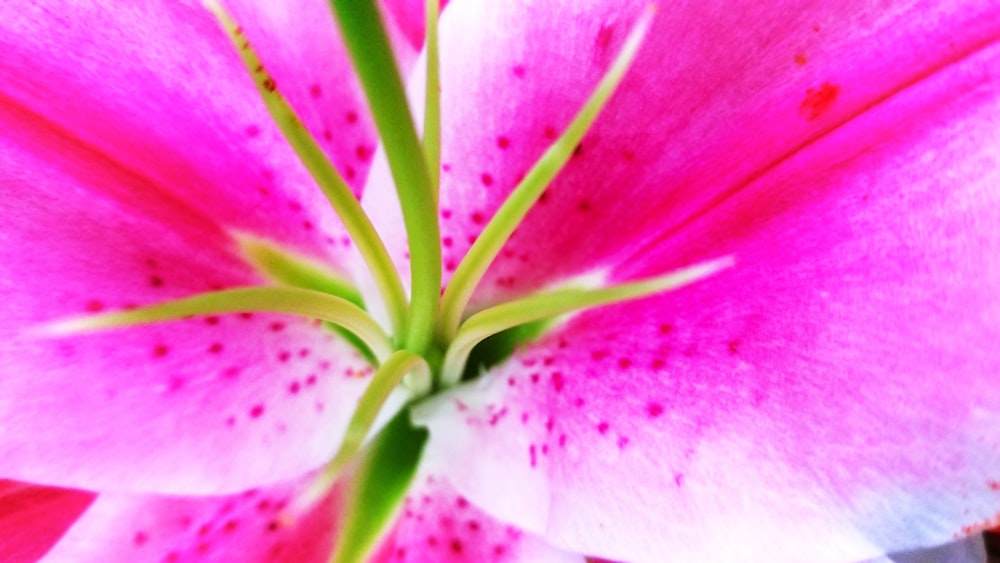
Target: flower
x: 832, y: 397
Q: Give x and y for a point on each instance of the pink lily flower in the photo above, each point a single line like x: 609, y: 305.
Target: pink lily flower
x: 831, y: 397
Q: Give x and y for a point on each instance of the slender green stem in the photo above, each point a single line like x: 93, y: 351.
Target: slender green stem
x: 288, y: 268
x: 432, y: 98
x: 347, y: 207
x: 387, y: 377
x: 361, y: 27
x: 524, y: 196
x: 289, y: 300
x: 560, y: 302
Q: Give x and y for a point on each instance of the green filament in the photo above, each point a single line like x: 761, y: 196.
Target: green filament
x: 560, y: 302
x: 287, y: 268
x: 344, y: 203
x: 524, y: 196
x: 432, y: 97
x: 367, y: 43
x: 289, y: 300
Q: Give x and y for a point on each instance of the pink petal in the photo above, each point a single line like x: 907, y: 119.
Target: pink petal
x: 408, y: 17
x: 200, y: 406
x: 720, y: 93
x: 242, y: 527
x: 159, y: 89
x: 832, y: 397
x: 33, y: 518
x: 438, y: 525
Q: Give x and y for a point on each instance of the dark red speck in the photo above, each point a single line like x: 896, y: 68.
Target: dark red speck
x: 818, y: 100
x: 256, y: 411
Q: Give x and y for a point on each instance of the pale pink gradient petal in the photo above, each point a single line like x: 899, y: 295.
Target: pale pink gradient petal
x: 438, y: 525
x: 243, y: 527
x: 720, y: 92
x: 832, y: 397
x: 199, y: 406
x: 33, y: 518
x: 158, y: 88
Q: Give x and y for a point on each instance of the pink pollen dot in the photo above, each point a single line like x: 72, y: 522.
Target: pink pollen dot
x: 140, y: 538
x: 654, y: 410
x: 256, y: 411
x: 294, y: 387
x: 284, y: 356
x: 602, y: 428
x: 252, y: 131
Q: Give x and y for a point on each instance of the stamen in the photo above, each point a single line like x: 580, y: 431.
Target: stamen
x: 366, y: 40
x: 432, y: 96
x: 287, y: 268
x: 344, y: 203
x: 560, y: 302
x: 524, y: 196
x: 289, y: 300
x: 383, y: 382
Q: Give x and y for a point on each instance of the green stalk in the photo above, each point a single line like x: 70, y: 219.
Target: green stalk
x: 289, y: 300
x: 334, y: 187
x: 560, y: 302
x: 368, y: 45
x: 432, y: 97
x: 524, y: 196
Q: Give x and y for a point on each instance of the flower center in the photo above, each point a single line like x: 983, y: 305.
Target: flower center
x: 431, y: 336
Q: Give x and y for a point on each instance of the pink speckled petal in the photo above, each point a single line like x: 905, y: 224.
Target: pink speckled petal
x: 243, y: 527
x: 832, y: 397
x: 158, y: 88
x: 199, y: 406
x: 721, y: 92
x: 33, y: 518
x: 437, y: 525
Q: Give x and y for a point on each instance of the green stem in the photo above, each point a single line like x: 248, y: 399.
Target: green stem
x: 432, y: 98
x: 361, y: 27
x: 560, y: 302
x: 347, y: 207
x: 289, y: 300
x: 287, y: 268
x: 524, y: 196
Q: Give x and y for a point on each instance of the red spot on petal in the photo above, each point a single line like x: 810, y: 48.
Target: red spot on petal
x: 252, y: 131
x: 155, y: 281
x: 486, y: 179
x: 519, y: 71
x: 818, y: 100
x: 140, y: 538
x: 351, y: 116
x: 94, y: 307
x: 503, y: 142
x: 160, y: 351
x: 315, y: 91
x: 256, y: 411
x: 654, y: 410
x: 215, y: 348
x: 602, y: 428
x: 800, y: 59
